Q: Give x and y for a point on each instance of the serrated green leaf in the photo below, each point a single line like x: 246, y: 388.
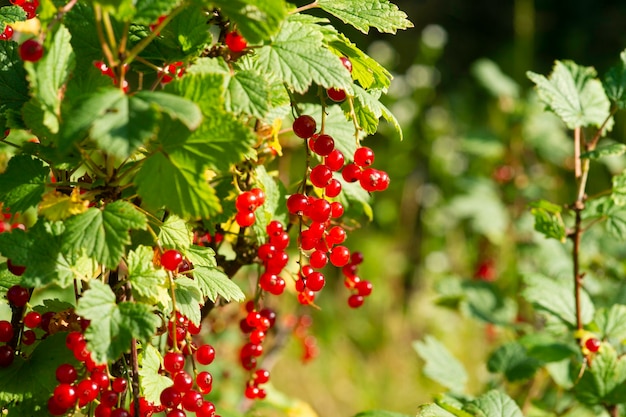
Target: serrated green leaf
x: 494, y: 404
x: 256, y: 20
x: 48, y: 75
x: 574, y: 94
x: 148, y: 11
x: 249, y: 93
x: 512, y: 360
x: 547, y: 349
x: 188, y: 298
x: 213, y: 283
x: 11, y: 14
x: 365, y: 70
x: 298, y: 57
x: 369, y: 110
x: 615, y: 82
x: 548, y: 219
x: 114, y: 326
x: 31, y: 381
x: 175, y: 233
x: 104, y: 233
x: 618, y: 191
x: 614, y: 149
x: 432, y: 410
x: 147, y: 283
x: 605, y: 381
x: 380, y: 413
x: 440, y: 365
x: 178, y: 108
x: 23, y: 183
x: 605, y: 208
x: 201, y: 256
x: 274, y: 207
x: 363, y: 14
x: 556, y: 297
x: 13, y: 86
x: 151, y: 381
x: 611, y: 322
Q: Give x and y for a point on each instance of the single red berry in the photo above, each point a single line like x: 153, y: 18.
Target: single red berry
x: 339, y: 256
x: 205, y: 354
x: 101, y: 377
x: 173, y: 362
x: 73, y: 339
x: 32, y: 319
x: 336, y: 235
x: 351, y: 172
x: 260, y: 196
x: 261, y: 376
x: 170, y: 259
x: 31, y: 50
x: 65, y: 395
x: 170, y: 397
x: 355, y: 301
x: 257, y: 336
x: 252, y: 392
x: 192, y: 401
x: 323, y: 145
x: 304, y: 126
x: 246, y: 201
x: 335, y: 160
x: 6, y: 331
x: 55, y: 409
x: 320, y: 176
x: 7, y: 355
x: 245, y: 218
x: 119, y: 385
x: 333, y: 189
x: 30, y: 8
x: 356, y: 258
x: 346, y: 63
x: 206, y: 410
x: 297, y: 204
x: 270, y: 315
x: 109, y: 398
x: 87, y: 391
x: 204, y: 380
x: 120, y: 412
x: 28, y: 337
x: 320, y: 210
x: 280, y: 241
x: 66, y: 373
x: 274, y: 228
x: 592, y: 344
x: 306, y: 297
x: 336, y: 209
x: 103, y: 410
x: 182, y: 382
x: 235, y: 42
x: 336, y: 94
x: 364, y: 157
x: 315, y: 281
x: 364, y: 288
x: 383, y: 181
x: 18, y: 296
x: 318, y: 260
x: 370, y: 179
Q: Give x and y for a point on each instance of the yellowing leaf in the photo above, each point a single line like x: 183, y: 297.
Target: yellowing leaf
x: 274, y: 143
x: 58, y: 206
x: 30, y: 26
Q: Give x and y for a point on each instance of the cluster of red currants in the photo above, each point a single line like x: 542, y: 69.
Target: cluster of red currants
x: 360, y: 288
x: 336, y: 94
x: 105, y: 70
x: 18, y: 297
x: 369, y: 178
x: 246, y: 204
x: 175, y: 69
x: 7, y: 33
x: 29, y: 7
x: 255, y: 325
x: 274, y: 258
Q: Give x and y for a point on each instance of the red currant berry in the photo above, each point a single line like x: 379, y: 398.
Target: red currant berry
x: 336, y: 209
x: 205, y: 354
x: 383, y: 181
x: 54, y: 408
x: 31, y: 50
x: 73, y: 339
x: 333, y: 189
x: 6, y: 331
x: 7, y: 355
x: 252, y: 392
x: 120, y: 412
x: 235, y: 42
x: 274, y: 228
x: 304, y: 126
x: 183, y: 382
x: 339, y: 256
x: 103, y: 410
x: 192, y: 401
x: 315, y: 281
x: 65, y: 395
x: 356, y: 258
x: 334, y: 160
x: 280, y: 241
x: 320, y: 176
x: 261, y: 376
x: 592, y: 344
x: 246, y: 201
x: 306, y: 297
x: 66, y: 373
x: 87, y: 391
x: 370, y: 179
x: 320, y: 211
x: 7, y: 34
x: 119, y: 385
x: 336, y: 94
x: 364, y: 157
x: 318, y: 260
x: 324, y: 145
x: 245, y: 218
x: 206, y: 410
x: 173, y: 362
x: 101, y: 377
x: 364, y: 288
x: 351, y: 172
x: 30, y: 8
x: 257, y: 336
x: 170, y: 397
x: 297, y: 204
x: 355, y: 301
x: 18, y: 296
x: 204, y: 381
x: 270, y: 315
x: 109, y: 398
x: 28, y: 337
x: 260, y: 196
x: 32, y: 320
x: 336, y: 235
x: 346, y: 63
x: 170, y: 259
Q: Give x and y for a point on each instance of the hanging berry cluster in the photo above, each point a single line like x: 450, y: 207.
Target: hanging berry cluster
x: 246, y: 204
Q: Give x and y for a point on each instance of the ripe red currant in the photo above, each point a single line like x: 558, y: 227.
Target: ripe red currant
x: 339, y: 256
x: 170, y: 259
x: 297, y: 204
x: 7, y: 33
x: 7, y: 355
x: 31, y: 50
x: 32, y: 319
x: 335, y: 160
x: 592, y: 344
x: 351, y: 172
x: 192, y: 401
x: 18, y: 296
x: 318, y: 260
x: 119, y: 385
x: 66, y: 373
x: 6, y: 331
x: 65, y: 395
x: 182, y: 382
x: 173, y: 362
x: 346, y: 63
x: 336, y: 94
x: 323, y: 145
x: 245, y: 218
x: 355, y: 301
x: 205, y: 354
x: 320, y: 176
x: 315, y: 281
x: 364, y: 157
x: 204, y: 381
x: 320, y: 211
x: 304, y: 126
x: 235, y: 42
x: 246, y: 201
x: 333, y: 189
x: 170, y: 397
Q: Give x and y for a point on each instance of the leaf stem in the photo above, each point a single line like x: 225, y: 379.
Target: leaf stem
x: 305, y: 7
x: 106, y: 50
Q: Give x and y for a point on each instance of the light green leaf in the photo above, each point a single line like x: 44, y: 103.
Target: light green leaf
x: 574, y: 94
x: 611, y: 322
x: 256, y: 20
x: 201, y: 256
x: 213, y: 283
x: 175, y: 233
x: 363, y: 14
x: 298, y: 58
x: 113, y: 326
x: 548, y: 219
x: 432, y: 410
x: 618, y: 192
x: 491, y: 77
x: 380, y: 413
x: 249, y: 93
x: 147, y: 283
x: 104, y: 233
x: 151, y: 381
x: 494, y: 404
x: 440, y: 365
x: 606, y: 208
x: 614, y: 149
x: 369, y: 110
x: 23, y: 183
x: 274, y: 207
x: 605, y: 381
x: 188, y: 298
x: 556, y: 297
x: 178, y: 108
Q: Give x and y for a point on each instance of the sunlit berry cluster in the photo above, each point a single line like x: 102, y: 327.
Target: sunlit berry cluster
x: 274, y: 258
x: 360, y: 288
x: 246, y: 204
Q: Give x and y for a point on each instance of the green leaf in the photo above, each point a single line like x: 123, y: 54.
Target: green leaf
x: 605, y: 381
x: 213, y: 283
x: 614, y: 149
x: 369, y: 110
x: 574, y: 94
x: 151, y: 381
x: 556, y: 297
x: 11, y: 14
x: 548, y: 219
x: 113, y: 326
x: 615, y: 82
x: 189, y: 194
x: 380, y: 413
x: 13, y: 86
x: 148, y: 11
x: 369, y: 73
x: 363, y: 14
x: 274, y: 207
x: 607, y: 209
x: 29, y: 382
x: 513, y: 361
x: 175, y: 233
x: 178, y: 108
x: 494, y: 404
x: 256, y: 20
x: 201, y: 256
x: 188, y: 298
x: 432, y: 410
x: 440, y: 365
x: 23, y: 183
x: 147, y: 283
x: 48, y: 76
x: 298, y: 58
x: 611, y: 322
x: 104, y: 233
x: 618, y: 192
x: 249, y: 93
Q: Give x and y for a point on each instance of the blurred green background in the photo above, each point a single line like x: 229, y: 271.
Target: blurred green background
x: 477, y: 149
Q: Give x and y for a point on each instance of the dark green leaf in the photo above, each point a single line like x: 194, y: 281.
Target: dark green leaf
x: 104, y: 233
x: 13, y: 85
x: 440, y: 365
x: 176, y: 107
x: 513, y: 361
x: 256, y: 20
x: 23, y: 183
x: 615, y: 82
x: 148, y: 11
x: 363, y: 14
